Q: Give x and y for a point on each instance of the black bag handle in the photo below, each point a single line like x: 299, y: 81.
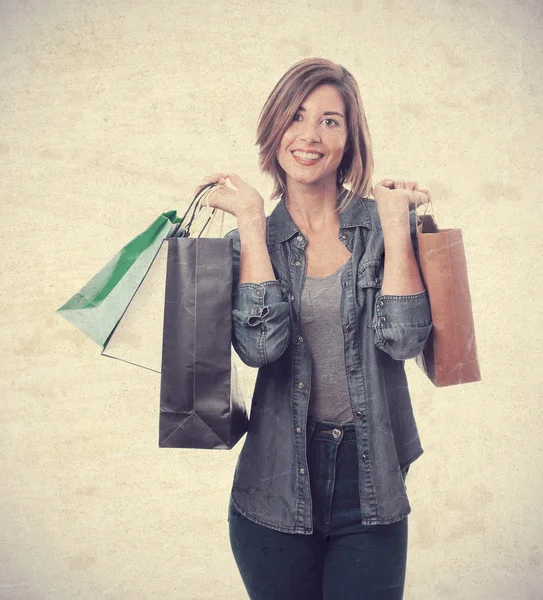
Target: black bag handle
x: 195, y: 204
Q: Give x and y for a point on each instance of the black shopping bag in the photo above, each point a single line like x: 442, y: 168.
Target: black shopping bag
x: 202, y: 404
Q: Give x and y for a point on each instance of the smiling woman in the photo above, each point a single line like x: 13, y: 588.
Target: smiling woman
x: 313, y: 138
x: 294, y: 104
x: 331, y: 432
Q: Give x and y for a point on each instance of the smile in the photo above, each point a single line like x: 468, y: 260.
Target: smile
x: 306, y: 158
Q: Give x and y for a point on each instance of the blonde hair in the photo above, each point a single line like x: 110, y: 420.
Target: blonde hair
x: 356, y: 167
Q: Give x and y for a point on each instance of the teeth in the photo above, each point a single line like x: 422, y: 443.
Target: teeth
x: 306, y: 155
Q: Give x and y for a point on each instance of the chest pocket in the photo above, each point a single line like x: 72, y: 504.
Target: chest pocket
x: 370, y: 280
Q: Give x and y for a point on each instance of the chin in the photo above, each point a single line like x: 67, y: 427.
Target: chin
x: 311, y: 180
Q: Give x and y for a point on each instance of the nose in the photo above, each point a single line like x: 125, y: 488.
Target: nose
x: 309, y: 133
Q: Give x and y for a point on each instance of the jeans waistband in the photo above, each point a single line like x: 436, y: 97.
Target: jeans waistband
x: 327, y: 430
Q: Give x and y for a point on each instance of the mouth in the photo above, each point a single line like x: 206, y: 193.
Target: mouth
x: 306, y: 158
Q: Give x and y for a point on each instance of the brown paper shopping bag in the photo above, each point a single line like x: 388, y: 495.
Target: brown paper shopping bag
x: 450, y: 355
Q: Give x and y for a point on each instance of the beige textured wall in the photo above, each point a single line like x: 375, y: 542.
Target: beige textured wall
x: 110, y: 113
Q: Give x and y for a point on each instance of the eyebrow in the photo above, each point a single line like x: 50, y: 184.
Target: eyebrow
x: 328, y: 112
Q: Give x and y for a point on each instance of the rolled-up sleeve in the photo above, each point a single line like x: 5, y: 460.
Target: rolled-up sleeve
x: 260, y: 316
x: 402, y: 324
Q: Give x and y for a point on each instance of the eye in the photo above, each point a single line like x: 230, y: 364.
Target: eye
x: 296, y: 115
x: 336, y: 124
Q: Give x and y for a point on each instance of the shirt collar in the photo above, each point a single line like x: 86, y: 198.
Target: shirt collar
x: 281, y: 227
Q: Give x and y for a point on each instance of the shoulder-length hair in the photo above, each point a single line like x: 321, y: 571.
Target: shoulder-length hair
x: 356, y: 167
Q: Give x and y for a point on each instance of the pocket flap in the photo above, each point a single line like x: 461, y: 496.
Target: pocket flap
x: 370, y: 274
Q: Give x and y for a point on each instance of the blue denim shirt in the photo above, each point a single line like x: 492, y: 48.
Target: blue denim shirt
x: 271, y: 482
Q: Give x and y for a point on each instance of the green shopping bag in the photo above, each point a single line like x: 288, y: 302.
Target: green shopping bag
x: 98, y: 307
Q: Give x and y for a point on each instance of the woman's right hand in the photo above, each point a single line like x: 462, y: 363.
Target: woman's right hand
x: 244, y: 201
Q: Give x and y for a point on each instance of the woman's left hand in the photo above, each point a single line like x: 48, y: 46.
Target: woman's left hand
x: 396, y: 198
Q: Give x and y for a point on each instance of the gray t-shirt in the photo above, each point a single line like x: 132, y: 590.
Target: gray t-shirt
x: 321, y: 325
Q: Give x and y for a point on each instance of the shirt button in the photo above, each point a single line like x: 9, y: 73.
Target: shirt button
x: 300, y: 384
x: 359, y: 414
x: 302, y: 471
x: 364, y: 457
x: 300, y: 339
x: 348, y: 328
x: 352, y: 370
x: 377, y: 280
x: 298, y: 263
x: 382, y: 319
x: 381, y: 304
x: 336, y: 433
x: 298, y: 430
x: 299, y: 238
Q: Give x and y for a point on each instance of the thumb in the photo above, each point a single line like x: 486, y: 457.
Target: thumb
x: 236, y: 180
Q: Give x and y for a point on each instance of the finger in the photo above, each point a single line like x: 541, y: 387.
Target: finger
x: 218, y: 178
x: 215, y: 177
x: 386, y: 183
x: 208, y: 194
x: 419, y: 197
x: 424, y: 190
x: 399, y: 185
x: 236, y: 180
x: 411, y: 185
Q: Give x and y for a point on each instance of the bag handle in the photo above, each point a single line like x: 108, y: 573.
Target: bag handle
x: 211, y: 219
x: 195, y: 203
x: 426, y: 204
x: 427, y: 222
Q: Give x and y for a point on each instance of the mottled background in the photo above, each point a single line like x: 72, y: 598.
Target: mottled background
x: 110, y: 113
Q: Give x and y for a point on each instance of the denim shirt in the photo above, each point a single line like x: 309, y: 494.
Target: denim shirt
x: 271, y: 482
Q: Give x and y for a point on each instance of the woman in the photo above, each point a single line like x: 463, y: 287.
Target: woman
x: 328, y: 303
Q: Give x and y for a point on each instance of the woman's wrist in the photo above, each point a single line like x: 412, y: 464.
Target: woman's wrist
x: 252, y: 222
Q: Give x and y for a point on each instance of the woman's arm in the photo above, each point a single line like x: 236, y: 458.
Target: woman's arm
x: 401, y: 275
x: 260, y: 314
x: 255, y: 266
x: 402, y: 319
x: 260, y: 309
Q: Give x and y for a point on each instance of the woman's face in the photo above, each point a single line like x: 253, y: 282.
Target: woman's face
x: 320, y: 129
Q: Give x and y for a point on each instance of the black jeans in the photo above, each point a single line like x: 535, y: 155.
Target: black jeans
x: 341, y: 559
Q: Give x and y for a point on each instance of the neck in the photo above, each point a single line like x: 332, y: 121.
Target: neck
x: 313, y: 208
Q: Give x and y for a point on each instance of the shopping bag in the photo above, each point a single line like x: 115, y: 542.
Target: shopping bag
x: 164, y: 302
x: 137, y: 337
x: 202, y: 402
x: 450, y: 354
x: 98, y: 307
